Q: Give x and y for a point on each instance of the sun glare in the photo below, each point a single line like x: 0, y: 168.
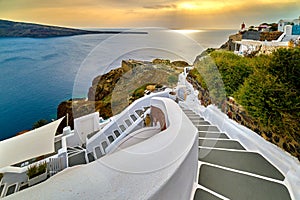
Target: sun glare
x: 187, y: 31
x: 188, y: 6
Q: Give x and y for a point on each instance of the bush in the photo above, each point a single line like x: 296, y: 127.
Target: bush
x: 32, y: 171
x: 41, y: 168
x: 272, y: 94
x: 36, y: 170
x: 1, y: 176
x: 267, y: 86
x: 39, y: 123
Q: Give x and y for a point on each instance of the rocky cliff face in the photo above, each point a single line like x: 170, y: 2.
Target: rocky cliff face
x: 103, y: 85
x: 110, y: 93
x: 229, y: 45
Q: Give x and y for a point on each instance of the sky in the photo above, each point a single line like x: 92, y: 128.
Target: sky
x: 173, y: 14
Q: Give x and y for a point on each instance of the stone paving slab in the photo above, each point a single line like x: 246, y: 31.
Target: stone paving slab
x: 203, y: 195
x: 244, y: 161
x: 213, y: 135
x: 208, y: 128
x: 238, y: 186
x: 227, y: 144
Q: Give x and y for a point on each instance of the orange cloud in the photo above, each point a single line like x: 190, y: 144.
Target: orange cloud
x: 166, y: 13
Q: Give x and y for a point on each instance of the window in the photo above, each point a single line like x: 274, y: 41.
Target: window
x: 133, y: 117
x: 110, y: 138
x: 98, y: 152
x: 91, y: 156
x: 117, y: 133
x: 104, y: 145
x: 1, y: 189
x: 122, y: 127
x: 11, y: 189
x: 139, y: 112
x: 128, y: 122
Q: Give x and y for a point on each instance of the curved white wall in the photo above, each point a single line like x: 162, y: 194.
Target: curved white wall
x: 162, y: 167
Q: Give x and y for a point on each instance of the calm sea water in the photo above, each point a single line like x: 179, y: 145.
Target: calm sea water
x: 37, y: 74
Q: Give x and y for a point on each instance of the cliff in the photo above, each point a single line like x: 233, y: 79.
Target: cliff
x: 21, y: 29
x: 229, y: 44
x: 110, y: 93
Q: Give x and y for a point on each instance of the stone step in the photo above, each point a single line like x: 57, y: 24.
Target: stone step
x: 204, y: 195
x: 207, y: 128
x: 237, y: 186
x: 191, y: 115
x: 224, y: 144
x: 196, y: 118
x: 189, y: 112
x: 212, y: 135
x: 200, y: 122
x: 240, y: 160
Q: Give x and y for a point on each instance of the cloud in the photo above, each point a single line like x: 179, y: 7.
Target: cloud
x: 164, y: 13
x: 160, y: 6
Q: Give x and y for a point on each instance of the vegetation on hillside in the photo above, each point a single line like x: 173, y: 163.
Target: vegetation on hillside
x: 266, y: 86
x: 39, y: 123
x: 112, y: 92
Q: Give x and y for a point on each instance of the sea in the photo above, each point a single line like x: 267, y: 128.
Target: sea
x: 36, y: 74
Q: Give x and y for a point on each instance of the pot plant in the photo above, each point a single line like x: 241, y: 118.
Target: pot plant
x: 37, y: 173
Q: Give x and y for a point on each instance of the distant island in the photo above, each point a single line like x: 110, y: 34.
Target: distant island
x: 22, y: 29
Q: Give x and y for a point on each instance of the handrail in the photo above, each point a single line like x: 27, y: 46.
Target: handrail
x: 142, y: 102
x: 112, y: 145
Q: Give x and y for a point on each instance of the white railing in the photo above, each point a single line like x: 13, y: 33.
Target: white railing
x: 56, y: 165
x: 119, y: 120
x: 115, y: 143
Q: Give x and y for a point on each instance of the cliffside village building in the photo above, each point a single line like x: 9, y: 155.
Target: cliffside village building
x: 252, y: 38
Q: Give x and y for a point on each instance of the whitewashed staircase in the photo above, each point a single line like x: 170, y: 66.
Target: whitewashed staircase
x: 228, y: 171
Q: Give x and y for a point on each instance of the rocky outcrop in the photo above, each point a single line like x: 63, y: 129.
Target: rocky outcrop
x: 230, y: 45
x: 103, y: 85
x: 110, y: 93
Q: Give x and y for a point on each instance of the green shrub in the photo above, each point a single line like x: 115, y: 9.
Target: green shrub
x: 39, y: 123
x: 267, y: 86
x: 36, y: 170
x: 42, y: 168
x: 32, y: 171
x: 271, y: 94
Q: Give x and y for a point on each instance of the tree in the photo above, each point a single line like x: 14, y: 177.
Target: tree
x: 39, y: 123
x: 272, y: 94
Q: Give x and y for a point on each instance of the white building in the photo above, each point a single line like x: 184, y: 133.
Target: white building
x: 283, y: 22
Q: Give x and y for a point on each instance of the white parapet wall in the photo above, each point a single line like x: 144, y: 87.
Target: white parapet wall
x: 161, y: 167
x: 288, y: 165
